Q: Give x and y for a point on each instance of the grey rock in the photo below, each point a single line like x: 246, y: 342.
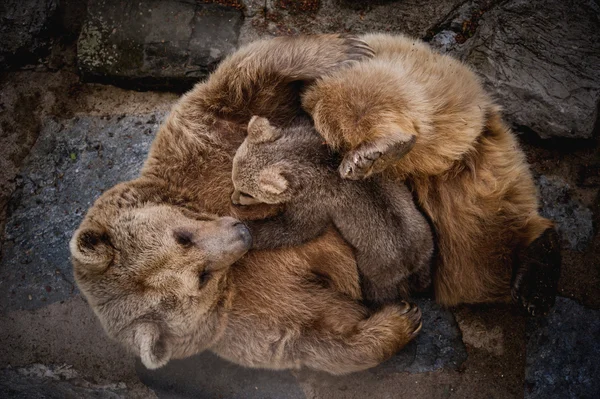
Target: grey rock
x: 563, y: 353
x: 155, y: 44
x: 24, y: 28
x: 444, y: 41
x: 71, y: 164
x: 208, y: 376
x: 54, y: 382
x: 541, y: 59
x: 438, y: 346
x: 283, y: 17
x: 573, y: 220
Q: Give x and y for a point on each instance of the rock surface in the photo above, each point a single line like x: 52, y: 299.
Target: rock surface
x: 573, y: 220
x: 413, y: 17
x: 563, y: 353
x: 208, y: 376
x: 155, y: 44
x: 58, y: 382
x: 438, y: 346
x: 71, y: 164
x: 541, y: 59
x: 24, y: 26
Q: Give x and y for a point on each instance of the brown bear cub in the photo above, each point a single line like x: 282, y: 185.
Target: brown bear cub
x: 378, y: 217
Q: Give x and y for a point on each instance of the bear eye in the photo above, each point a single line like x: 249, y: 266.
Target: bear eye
x: 183, y: 238
x: 246, y: 195
x: 203, y: 278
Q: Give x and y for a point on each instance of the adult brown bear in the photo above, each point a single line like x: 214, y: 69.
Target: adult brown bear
x: 164, y: 277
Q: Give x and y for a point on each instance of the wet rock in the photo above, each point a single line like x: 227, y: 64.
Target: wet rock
x: 563, y: 353
x: 24, y: 28
x: 208, y: 376
x: 438, y: 346
x: 541, y: 59
x: 70, y: 165
x: 155, y: 44
x: 573, y: 220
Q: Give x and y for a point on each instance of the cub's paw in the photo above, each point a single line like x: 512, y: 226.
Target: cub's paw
x: 373, y: 157
x: 536, y: 274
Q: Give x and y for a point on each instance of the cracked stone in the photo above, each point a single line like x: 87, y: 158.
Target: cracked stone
x: 70, y: 165
x: 563, y: 353
x: 541, y: 59
x: 155, y: 44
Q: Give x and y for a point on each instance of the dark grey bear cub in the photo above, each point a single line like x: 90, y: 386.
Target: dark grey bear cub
x: 392, y: 240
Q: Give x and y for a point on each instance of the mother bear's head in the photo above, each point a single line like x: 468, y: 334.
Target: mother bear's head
x: 154, y: 271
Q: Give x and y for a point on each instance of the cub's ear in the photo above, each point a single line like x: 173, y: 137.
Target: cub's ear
x: 261, y: 131
x: 91, y: 247
x: 152, y: 345
x: 274, y: 179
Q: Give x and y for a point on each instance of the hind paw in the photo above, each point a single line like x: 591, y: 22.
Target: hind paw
x: 535, y: 278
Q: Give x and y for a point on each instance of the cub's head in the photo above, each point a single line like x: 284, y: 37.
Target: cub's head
x: 271, y: 164
x: 155, y: 273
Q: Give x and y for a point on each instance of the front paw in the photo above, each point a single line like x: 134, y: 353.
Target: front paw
x: 358, y: 164
x: 374, y: 157
x: 536, y: 275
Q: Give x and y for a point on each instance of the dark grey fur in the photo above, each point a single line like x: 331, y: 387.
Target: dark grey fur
x: 392, y: 239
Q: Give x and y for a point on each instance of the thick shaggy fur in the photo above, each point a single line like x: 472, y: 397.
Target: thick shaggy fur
x: 392, y: 240
x: 168, y: 280
x: 425, y: 118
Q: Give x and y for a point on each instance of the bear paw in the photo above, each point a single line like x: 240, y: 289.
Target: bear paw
x: 535, y: 279
x: 411, y: 316
x: 373, y: 157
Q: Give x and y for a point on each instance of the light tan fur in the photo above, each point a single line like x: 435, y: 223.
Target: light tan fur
x: 168, y: 279
x: 464, y: 164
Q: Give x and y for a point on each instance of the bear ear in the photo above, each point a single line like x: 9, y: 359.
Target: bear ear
x: 274, y: 180
x: 91, y: 247
x: 154, y: 350
x: 261, y: 131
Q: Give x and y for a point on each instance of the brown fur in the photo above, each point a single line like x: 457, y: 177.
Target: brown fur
x: 425, y: 117
x: 168, y: 280
x: 392, y: 240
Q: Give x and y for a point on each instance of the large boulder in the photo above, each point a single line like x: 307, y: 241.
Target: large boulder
x: 540, y: 58
x: 155, y: 44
